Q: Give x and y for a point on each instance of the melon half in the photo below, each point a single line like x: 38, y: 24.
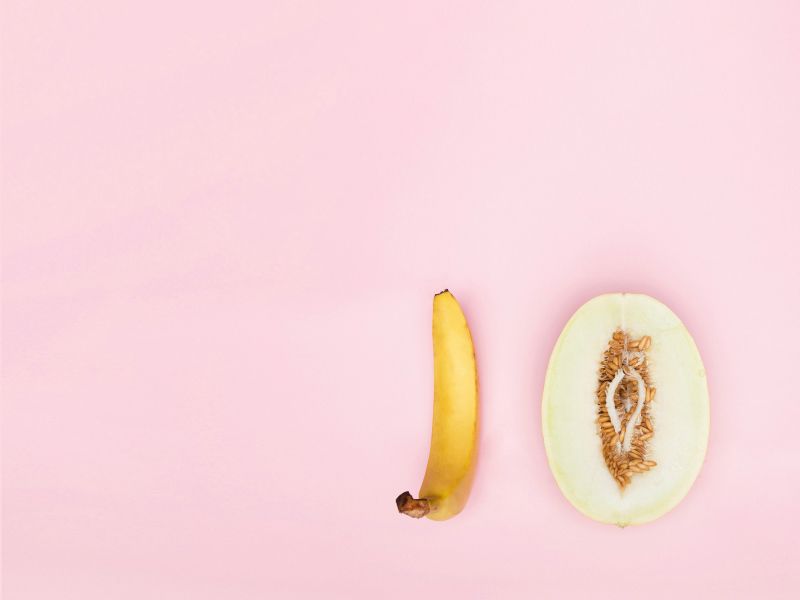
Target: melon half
x: 625, y: 411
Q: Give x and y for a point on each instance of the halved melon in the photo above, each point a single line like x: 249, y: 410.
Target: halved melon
x: 625, y: 412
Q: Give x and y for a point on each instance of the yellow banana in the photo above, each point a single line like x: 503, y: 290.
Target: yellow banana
x: 451, y: 462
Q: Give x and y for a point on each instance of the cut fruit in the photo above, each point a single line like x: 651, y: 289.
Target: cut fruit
x: 620, y: 452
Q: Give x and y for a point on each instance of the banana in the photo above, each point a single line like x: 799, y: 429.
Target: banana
x: 451, y: 462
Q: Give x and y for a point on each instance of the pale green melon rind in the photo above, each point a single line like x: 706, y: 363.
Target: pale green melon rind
x: 597, y: 499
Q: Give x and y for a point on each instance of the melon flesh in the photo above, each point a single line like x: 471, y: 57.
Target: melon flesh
x: 679, y: 411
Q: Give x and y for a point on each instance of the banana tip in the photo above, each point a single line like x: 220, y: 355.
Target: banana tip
x: 413, y: 507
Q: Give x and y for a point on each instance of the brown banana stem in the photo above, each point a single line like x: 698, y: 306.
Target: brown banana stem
x: 413, y: 507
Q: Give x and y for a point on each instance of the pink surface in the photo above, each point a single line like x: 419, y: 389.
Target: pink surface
x: 222, y: 232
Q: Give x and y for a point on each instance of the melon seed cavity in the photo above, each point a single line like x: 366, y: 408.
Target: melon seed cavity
x: 624, y: 395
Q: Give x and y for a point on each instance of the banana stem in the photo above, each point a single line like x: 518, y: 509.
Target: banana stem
x: 413, y: 507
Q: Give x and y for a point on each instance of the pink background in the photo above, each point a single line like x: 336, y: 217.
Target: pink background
x: 222, y: 232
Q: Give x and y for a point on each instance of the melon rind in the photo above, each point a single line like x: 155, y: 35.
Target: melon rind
x: 680, y: 411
